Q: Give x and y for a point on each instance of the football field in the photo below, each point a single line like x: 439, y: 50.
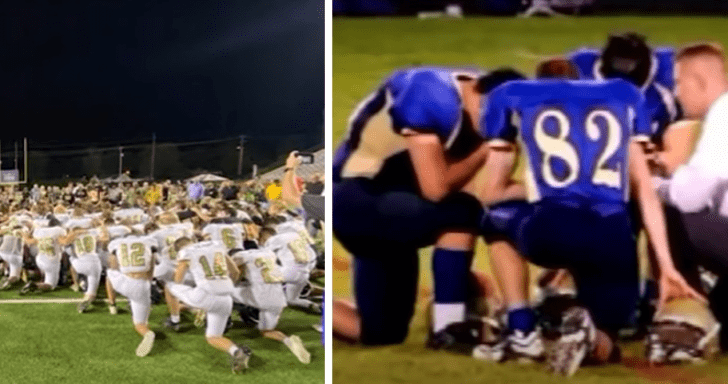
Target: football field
x: 365, y: 51
x: 52, y: 343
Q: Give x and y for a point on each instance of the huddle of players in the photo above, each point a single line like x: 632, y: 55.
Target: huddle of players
x: 205, y: 266
x: 431, y: 146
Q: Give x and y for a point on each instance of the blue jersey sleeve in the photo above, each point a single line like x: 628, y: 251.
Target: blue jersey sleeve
x: 641, y: 129
x: 665, y: 67
x: 584, y: 59
x: 427, y: 105
x: 495, y: 123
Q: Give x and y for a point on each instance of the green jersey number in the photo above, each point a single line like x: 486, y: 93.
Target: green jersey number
x: 219, y: 268
x: 85, y: 244
x: 133, y: 259
x: 228, y: 238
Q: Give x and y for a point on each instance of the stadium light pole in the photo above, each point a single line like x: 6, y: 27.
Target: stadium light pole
x: 121, y: 156
x: 240, y: 156
x: 154, y: 144
x: 25, y: 159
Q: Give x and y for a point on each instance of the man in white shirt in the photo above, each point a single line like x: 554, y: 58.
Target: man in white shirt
x: 696, y: 211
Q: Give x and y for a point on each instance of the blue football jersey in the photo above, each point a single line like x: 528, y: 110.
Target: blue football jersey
x: 660, y: 103
x: 423, y: 100
x: 575, y: 134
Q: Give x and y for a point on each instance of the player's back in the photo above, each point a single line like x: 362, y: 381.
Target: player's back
x: 230, y: 235
x: 423, y: 99
x: 165, y: 238
x: 260, y: 266
x: 575, y: 134
x: 208, y: 266
x: 48, y: 240
x: 134, y: 253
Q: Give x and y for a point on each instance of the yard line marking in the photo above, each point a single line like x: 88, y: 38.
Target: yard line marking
x: 52, y: 301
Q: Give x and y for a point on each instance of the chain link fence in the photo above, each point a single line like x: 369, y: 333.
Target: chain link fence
x: 50, y: 164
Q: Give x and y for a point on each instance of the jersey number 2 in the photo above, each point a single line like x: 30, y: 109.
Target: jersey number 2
x: 558, y: 146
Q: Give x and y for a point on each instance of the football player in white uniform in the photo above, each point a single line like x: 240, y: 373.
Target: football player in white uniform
x: 86, y: 260
x: 231, y: 235
x: 214, y: 273
x: 49, y: 241
x: 115, y: 232
x: 264, y: 290
x: 11, y: 251
x: 297, y: 258
x: 167, y: 265
x: 130, y: 271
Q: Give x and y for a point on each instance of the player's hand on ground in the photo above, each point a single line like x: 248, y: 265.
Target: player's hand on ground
x: 674, y: 286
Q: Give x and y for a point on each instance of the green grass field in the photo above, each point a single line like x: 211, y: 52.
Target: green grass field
x: 364, y: 52
x: 52, y: 343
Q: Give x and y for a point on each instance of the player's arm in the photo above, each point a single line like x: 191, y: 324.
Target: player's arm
x: 28, y: 239
x: 678, y: 143
x: 233, y: 269
x: 500, y: 186
x: 672, y: 284
x: 436, y: 175
x: 179, y: 273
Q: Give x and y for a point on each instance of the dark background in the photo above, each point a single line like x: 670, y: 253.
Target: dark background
x: 78, y: 77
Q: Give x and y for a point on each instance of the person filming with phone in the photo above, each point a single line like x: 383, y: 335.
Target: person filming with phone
x: 312, y: 205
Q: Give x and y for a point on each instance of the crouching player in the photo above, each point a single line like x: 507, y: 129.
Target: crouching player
x: 582, y: 155
x: 296, y: 256
x: 214, y: 273
x: 130, y: 272
x: 86, y: 260
x: 49, y: 240
x: 264, y: 291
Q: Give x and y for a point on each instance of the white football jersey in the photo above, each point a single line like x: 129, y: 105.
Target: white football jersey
x: 13, y: 242
x: 134, y: 253
x: 260, y: 266
x: 165, y: 238
x: 86, y: 243
x: 291, y: 248
x: 231, y: 235
x: 80, y: 222
x: 208, y: 266
x: 135, y: 215
x: 48, y: 240
x: 117, y: 231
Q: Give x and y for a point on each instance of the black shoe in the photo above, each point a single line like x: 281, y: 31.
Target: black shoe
x: 248, y: 314
x: 28, y: 288
x: 460, y: 338
x: 171, y: 324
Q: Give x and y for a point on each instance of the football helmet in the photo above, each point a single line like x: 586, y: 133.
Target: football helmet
x: 684, y: 330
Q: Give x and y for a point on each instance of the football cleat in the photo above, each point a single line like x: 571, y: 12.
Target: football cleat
x: 457, y: 337
x: 318, y: 328
x: 684, y: 331
x: 248, y: 315
x: 146, y: 345
x: 75, y: 288
x: 578, y: 335
x: 7, y: 284
x: 525, y: 348
x: 113, y: 310
x: 84, y: 306
x: 175, y: 326
x: 239, y: 361
x: 296, y: 346
x: 28, y: 288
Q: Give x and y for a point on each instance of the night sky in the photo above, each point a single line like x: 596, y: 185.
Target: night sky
x: 115, y: 71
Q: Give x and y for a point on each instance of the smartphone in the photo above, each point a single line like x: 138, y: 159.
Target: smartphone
x: 306, y: 158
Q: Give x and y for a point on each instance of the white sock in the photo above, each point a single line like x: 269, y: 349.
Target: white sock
x: 446, y: 314
x: 175, y: 318
x: 287, y: 341
x: 232, y: 350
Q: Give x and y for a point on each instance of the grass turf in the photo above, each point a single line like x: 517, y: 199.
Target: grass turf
x: 52, y: 343
x: 365, y: 51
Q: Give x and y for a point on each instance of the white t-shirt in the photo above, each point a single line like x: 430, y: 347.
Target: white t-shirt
x: 12, y: 243
x: 134, y: 253
x: 135, y: 215
x: 693, y: 185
